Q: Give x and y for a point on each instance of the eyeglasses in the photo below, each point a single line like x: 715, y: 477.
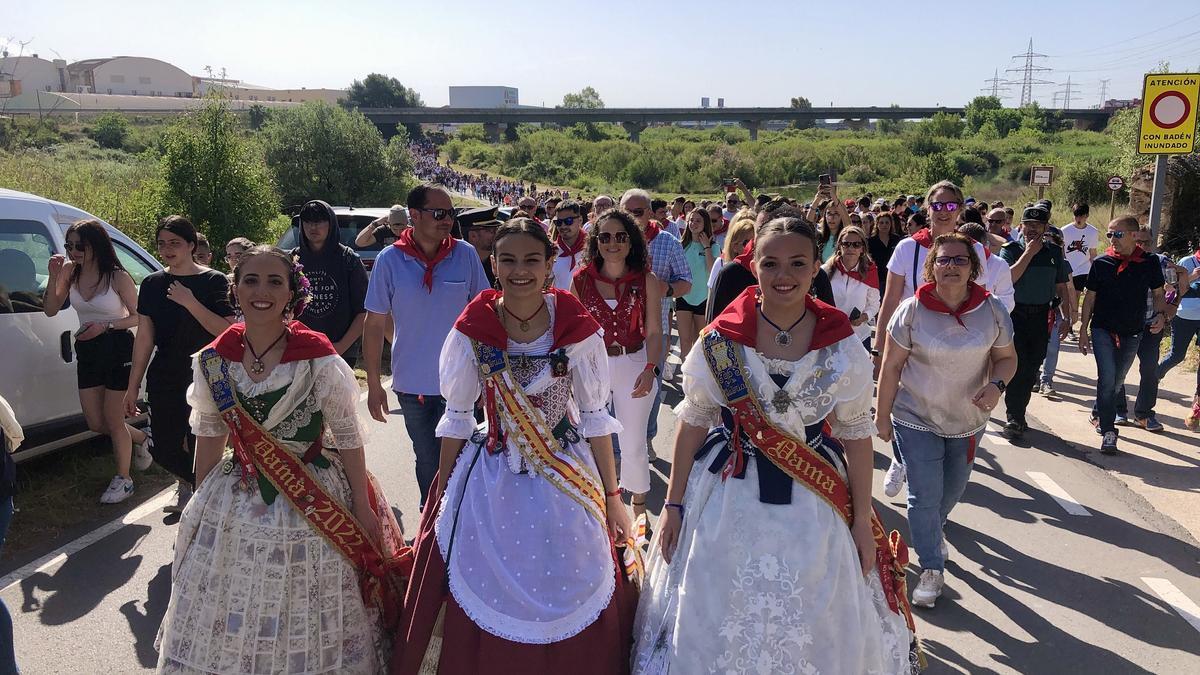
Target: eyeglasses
x: 851, y: 244
x: 438, y: 214
x: 606, y: 237
x: 948, y: 260
x: 944, y: 206
x: 1115, y: 235
x: 75, y: 247
x: 638, y: 213
x: 569, y: 220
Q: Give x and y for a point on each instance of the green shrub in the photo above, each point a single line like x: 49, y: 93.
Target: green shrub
x: 109, y: 130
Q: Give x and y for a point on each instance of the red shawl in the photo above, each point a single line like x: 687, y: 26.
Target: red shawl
x: 406, y: 243
x: 303, y: 344
x: 927, y: 296
x: 871, y: 279
x: 479, y: 321
x: 1124, y: 260
x: 739, y: 321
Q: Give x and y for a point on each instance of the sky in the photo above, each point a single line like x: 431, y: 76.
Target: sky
x: 637, y: 53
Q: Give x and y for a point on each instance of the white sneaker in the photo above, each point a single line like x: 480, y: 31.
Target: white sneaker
x: 894, y: 480
x: 142, y: 459
x: 928, y: 589
x: 183, y: 494
x: 119, y: 489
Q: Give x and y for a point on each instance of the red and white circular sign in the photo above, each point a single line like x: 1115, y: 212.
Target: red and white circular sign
x: 1170, y: 109
x: 1116, y: 183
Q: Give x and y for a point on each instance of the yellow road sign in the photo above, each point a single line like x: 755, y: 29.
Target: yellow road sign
x: 1169, y: 104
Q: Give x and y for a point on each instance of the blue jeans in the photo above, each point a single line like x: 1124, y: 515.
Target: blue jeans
x: 8, y: 659
x: 1147, y: 395
x: 1050, y: 365
x: 421, y: 420
x: 938, y: 471
x: 1112, y: 365
x: 1183, y: 331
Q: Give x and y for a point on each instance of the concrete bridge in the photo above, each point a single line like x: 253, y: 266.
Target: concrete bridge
x: 635, y: 120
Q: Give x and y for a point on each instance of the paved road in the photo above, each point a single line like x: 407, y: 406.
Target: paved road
x: 1056, y: 566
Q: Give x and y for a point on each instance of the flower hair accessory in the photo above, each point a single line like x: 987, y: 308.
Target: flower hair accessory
x: 303, y: 293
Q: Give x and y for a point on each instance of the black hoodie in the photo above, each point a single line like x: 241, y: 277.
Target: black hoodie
x: 338, y: 278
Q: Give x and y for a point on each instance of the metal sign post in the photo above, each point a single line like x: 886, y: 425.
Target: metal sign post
x: 1114, y: 185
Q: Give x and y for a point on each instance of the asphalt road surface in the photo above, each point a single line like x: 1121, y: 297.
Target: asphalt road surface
x: 1056, y: 567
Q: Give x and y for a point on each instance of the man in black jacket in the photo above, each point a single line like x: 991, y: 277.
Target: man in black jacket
x: 338, y: 278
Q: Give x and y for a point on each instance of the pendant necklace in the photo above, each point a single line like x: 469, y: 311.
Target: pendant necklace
x: 524, y: 323
x: 784, y: 337
x: 257, y: 366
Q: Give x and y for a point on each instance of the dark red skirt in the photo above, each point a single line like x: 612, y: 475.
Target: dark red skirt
x: 602, y: 648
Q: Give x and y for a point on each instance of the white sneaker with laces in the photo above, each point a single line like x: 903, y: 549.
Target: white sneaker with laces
x: 119, y: 489
x: 142, y: 459
x: 928, y: 589
x: 894, y: 480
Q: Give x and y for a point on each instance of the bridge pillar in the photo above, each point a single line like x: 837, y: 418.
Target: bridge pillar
x: 492, y: 129
x: 752, y: 126
x: 634, y: 129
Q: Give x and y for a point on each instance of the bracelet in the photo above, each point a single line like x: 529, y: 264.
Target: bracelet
x: 614, y: 493
x: 673, y: 505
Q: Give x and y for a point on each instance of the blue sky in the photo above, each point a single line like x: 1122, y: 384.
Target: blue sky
x: 636, y: 53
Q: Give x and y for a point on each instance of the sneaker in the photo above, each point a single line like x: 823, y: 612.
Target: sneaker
x: 1123, y: 421
x: 1095, y: 424
x: 183, y: 494
x: 1108, y: 445
x: 893, y: 481
x: 142, y: 459
x: 1150, y: 423
x: 929, y: 588
x: 119, y: 489
x: 1047, y: 390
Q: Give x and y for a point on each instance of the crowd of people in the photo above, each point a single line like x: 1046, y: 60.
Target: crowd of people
x: 481, y: 187
x: 528, y: 361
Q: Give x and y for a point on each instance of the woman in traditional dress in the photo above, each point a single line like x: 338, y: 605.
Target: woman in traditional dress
x: 949, y: 359
x: 515, y: 569
x: 768, y: 557
x: 618, y: 289
x: 287, y: 556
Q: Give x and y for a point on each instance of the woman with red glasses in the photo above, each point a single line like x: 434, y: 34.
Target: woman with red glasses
x: 620, y: 292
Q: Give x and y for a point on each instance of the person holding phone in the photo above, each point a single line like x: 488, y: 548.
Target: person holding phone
x: 104, y: 297
x: 855, y: 281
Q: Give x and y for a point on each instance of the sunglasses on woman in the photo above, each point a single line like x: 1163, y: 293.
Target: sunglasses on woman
x: 80, y: 246
x: 606, y: 237
x: 851, y: 244
x: 944, y: 206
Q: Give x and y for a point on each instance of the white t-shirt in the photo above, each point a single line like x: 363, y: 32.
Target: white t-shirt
x: 902, y: 263
x: 1077, y: 242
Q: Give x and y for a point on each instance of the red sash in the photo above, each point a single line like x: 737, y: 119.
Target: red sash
x: 383, y: 579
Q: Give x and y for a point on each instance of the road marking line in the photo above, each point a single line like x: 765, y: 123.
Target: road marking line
x: 72, y: 547
x: 1057, y: 493
x: 387, y: 382
x: 1174, y: 597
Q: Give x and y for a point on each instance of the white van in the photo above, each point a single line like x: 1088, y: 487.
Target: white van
x: 37, y: 360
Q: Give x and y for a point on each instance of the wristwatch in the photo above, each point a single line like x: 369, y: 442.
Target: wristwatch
x: 999, y: 385
x: 655, y: 368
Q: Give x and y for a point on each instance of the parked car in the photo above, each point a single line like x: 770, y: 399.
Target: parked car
x: 351, y: 220
x: 37, y: 367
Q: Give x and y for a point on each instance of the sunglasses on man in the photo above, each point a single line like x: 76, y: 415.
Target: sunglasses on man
x: 438, y: 214
x: 568, y: 221
x: 1115, y: 235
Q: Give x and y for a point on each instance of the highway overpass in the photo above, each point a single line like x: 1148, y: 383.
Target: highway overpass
x: 634, y: 120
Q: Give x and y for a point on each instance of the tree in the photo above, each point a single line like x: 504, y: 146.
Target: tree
x: 586, y: 99
x: 381, y: 91
x: 979, y: 110
x: 319, y: 151
x: 943, y: 125
x: 216, y: 177
x: 258, y: 116
x: 110, y: 130
x: 802, y: 103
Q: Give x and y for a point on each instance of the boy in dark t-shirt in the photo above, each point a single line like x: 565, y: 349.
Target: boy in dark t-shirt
x: 1114, y: 313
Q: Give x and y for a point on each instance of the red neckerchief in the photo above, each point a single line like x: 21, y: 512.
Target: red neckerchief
x: 1135, y: 257
x: 406, y: 243
x: 565, y: 251
x: 721, y: 227
x: 927, y: 296
x: 871, y: 279
x: 739, y: 321
x: 593, y: 270
x: 924, y: 237
x: 479, y: 321
x: 746, y: 258
x: 1196, y: 255
x: 302, y: 344
x: 652, y: 231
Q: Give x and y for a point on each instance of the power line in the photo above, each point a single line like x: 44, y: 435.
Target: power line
x: 1028, y: 80
x: 1108, y: 47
